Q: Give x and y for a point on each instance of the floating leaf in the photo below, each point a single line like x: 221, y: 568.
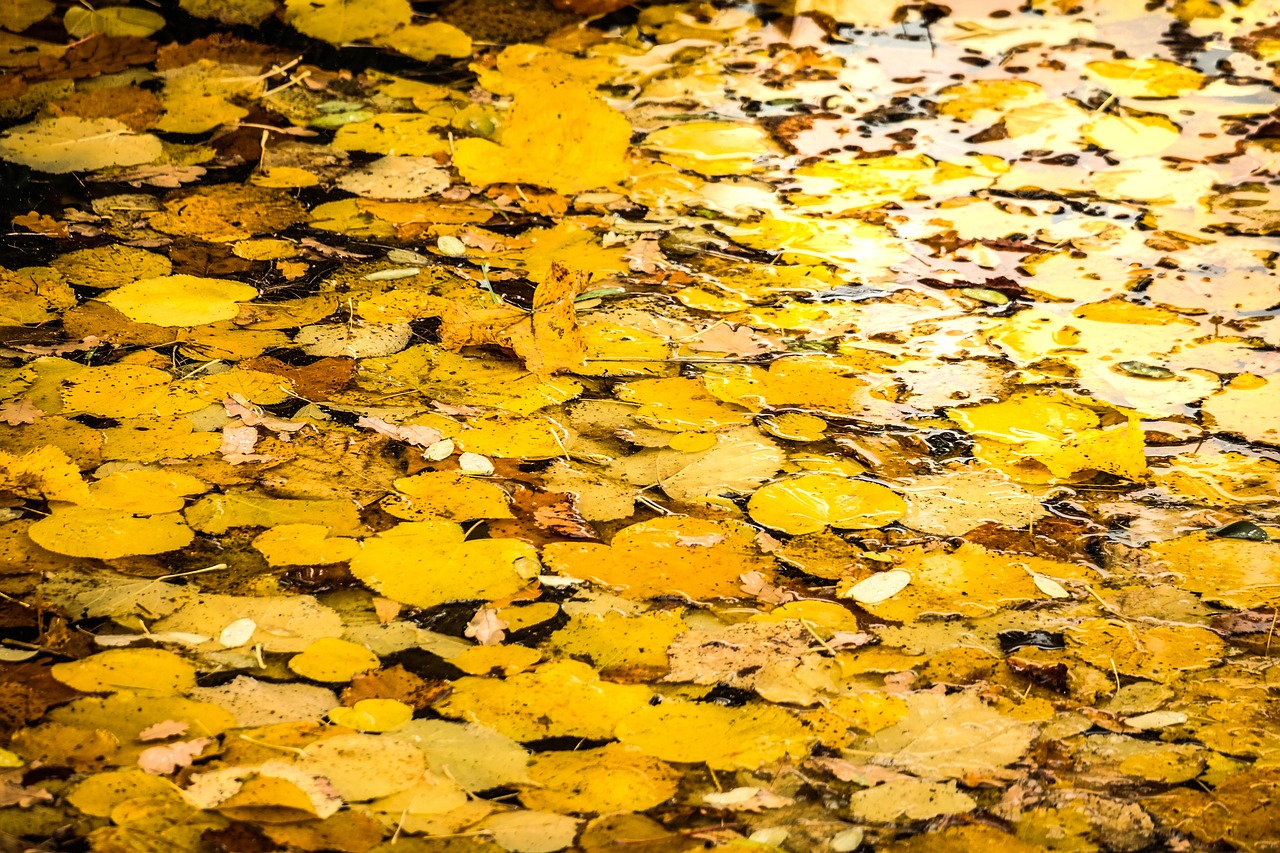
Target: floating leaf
x: 150, y: 672
x: 108, y: 534
x: 111, y: 21
x: 667, y: 556
x: 951, y: 737
x: 578, y: 145
x: 331, y: 659
x: 425, y: 563
x: 340, y: 21
x: 724, y: 738
x: 809, y: 502
x: 180, y: 300
x: 72, y: 144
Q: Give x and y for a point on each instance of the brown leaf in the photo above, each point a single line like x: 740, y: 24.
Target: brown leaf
x: 547, y: 339
x: 397, y: 683
x: 22, y: 412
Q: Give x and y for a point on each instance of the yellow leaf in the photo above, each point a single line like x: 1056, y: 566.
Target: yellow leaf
x: 217, y: 514
x: 446, y: 494
x: 149, y: 672
x: 713, y: 148
x: 984, y: 99
x: 109, y: 266
x: 725, y: 738
x: 46, y: 472
x: 402, y: 134
x: 612, y: 778
x: 950, y: 737
x: 813, y: 382
x: 1161, y: 653
x: 509, y: 437
x: 955, y: 502
x: 522, y: 65
x: 72, y: 144
x: 562, y: 698
x: 304, y: 545
x: 491, y: 660
x: 1144, y: 78
x: 689, y: 557
x: 823, y: 617
x: 968, y: 581
x: 115, y: 390
x: 424, y: 42
x: 808, y: 502
x: 618, y: 643
x: 547, y: 339
x: 154, y: 439
x: 331, y: 659
x: 18, y: 15
x: 373, y: 715
x: 197, y: 112
x: 1246, y: 409
x: 1132, y: 134
x: 128, y: 713
x: 111, y: 21
x: 577, y: 144
x: 250, y: 12
x: 1234, y: 573
x: 678, y: 404
x: 107, y: 534
x: 145, y: 491
x: 180, y: 300
x: 339, y: 21
x: 425, y: 563
x: 911, y: 799
x: 99, y: 794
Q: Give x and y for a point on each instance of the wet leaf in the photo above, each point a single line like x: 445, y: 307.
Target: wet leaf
x: 578, y: 146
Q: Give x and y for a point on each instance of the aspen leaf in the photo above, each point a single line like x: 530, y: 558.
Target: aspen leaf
x: 364, y: 766
x: 111, y: 21
x: 547, y: 338
x: 809, y: 502
x: 339, y: 21
x: 425, y: 42
x: 532, y: 831
x: 46, y: 472
x: 1144, y: 78
x: 560, y: 698
x: 145, y: 491
x: 580, y: 144
x: 304, y: 545
x: 373, y: 715
x: 448, y: 495
x: 1161, y: 653
x: 71, y: 144
x: 950, y: 737
x: 712, y: 147
x: 647, y: 559
x: 331, y: 659
x: 1246, y: 411
x: 18, y: 15
x: 107, y: 534
x: 150, y: 672
x: 740, y: 738
x: 612, y: 778
x: 106, y: 267
x: 425, y: 563
x: 180, y: 300
x: 476, y: 757
x: 910, y: 799
x: 1231, y: 572
x: 816, y: 382
x: 968, y: 580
